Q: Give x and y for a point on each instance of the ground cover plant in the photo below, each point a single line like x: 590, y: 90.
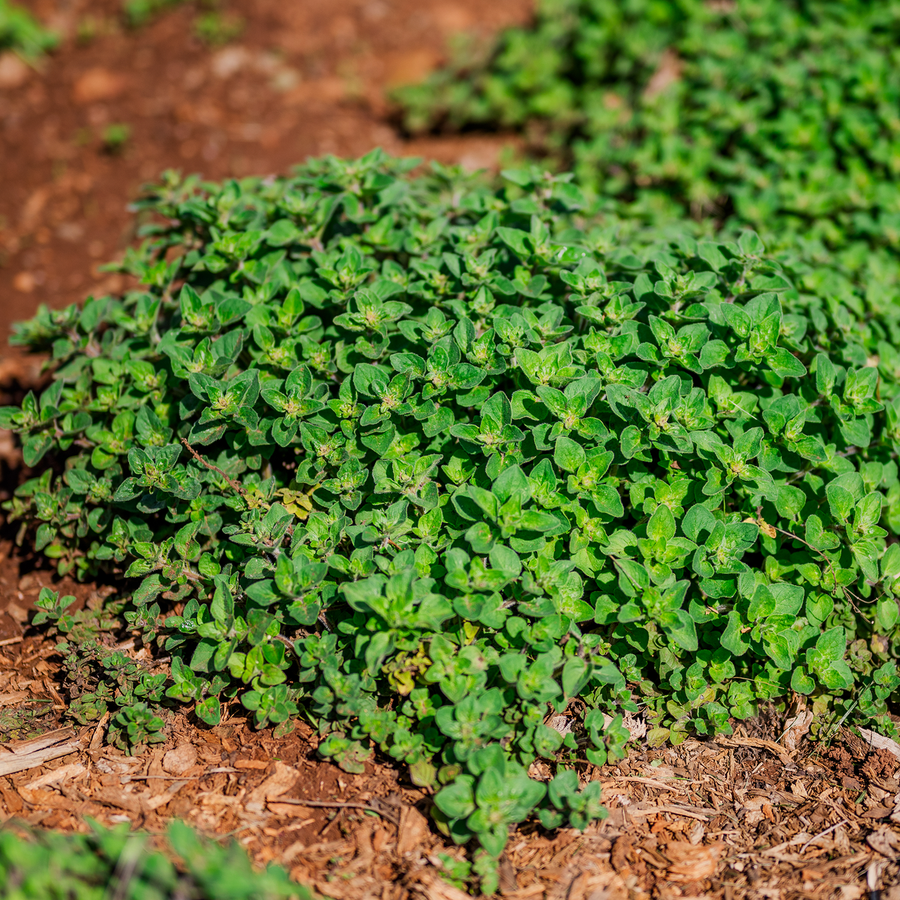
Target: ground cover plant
x: 450, y: 472
x: 21, y: 32
x: 777, y: 114
x: 115, y: 863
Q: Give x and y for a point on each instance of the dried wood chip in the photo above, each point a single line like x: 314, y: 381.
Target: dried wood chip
x: 251, y: 764
x: 57, y: 776
x: 39, y: 743
x: 412, y: 831
x: 886, y: 842
x: 692, y: 812
x: 14, y: 697
x: 880, y: 742
x: 429, y: 887
x: 130, y: 802
x: 24, y: 755
x: 761, y: 743
x: 288, y: 810
x: 622, y: 851
x: 162, y: 799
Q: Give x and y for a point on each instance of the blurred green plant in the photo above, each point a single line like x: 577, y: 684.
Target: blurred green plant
x: 36, y: 865
x: 216, y: 28
x: 139, y: 12
x: 781, y: 115
x: 115, y: 138
x: 464, y: 476
x: 212, y: 25
x: 22, y: 33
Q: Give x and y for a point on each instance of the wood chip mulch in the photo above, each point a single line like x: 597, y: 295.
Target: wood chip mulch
x: 765, y: 813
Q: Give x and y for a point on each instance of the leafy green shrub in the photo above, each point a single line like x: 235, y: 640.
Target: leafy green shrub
x: 114, y: 863
x: 21, y: 32
x: 777, y: 114
x: 430, y: 461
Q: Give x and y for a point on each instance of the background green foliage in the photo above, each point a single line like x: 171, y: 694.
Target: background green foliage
x: 778, y: 114
x: 429, y: 461
x: 21, y: 32
x: 140, y: 12
x: 104, y: 863
x: 212, y: 24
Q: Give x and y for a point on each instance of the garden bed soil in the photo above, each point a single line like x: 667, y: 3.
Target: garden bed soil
x: 303, y: 78
x: 763, y: 814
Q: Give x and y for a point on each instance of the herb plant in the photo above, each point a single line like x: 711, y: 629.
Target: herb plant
x: 115, y: 138
x: 21, y: 32
x: 777, y: 114
x: 436, y: 465
x: 140, y: 12
x: 113, y: 863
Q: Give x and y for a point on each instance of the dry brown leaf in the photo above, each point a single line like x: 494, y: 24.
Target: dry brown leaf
x: 886, y: 842
x: 279, y: 782
x: 689, y: 862
x: 412, y: 832
x: 795, y: 729
x: 667, y: 73
x: 754, y: 811
x: 636, y: 726
x: 179, y: 760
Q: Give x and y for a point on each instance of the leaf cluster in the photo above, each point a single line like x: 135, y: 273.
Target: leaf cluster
x: 101, y: 679
x: 774, y: 114
x: 430, y: 463
x: 22, y: 33
x: 113, y: 862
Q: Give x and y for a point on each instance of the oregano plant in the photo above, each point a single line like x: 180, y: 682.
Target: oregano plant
x: 438, y: 466
x: 779, y: 115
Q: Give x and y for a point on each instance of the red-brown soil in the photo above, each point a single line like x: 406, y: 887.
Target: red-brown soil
x: 303, y: 78
x: 764, y: 814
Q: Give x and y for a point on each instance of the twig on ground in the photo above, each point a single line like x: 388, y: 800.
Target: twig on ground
x: 336, y: 804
